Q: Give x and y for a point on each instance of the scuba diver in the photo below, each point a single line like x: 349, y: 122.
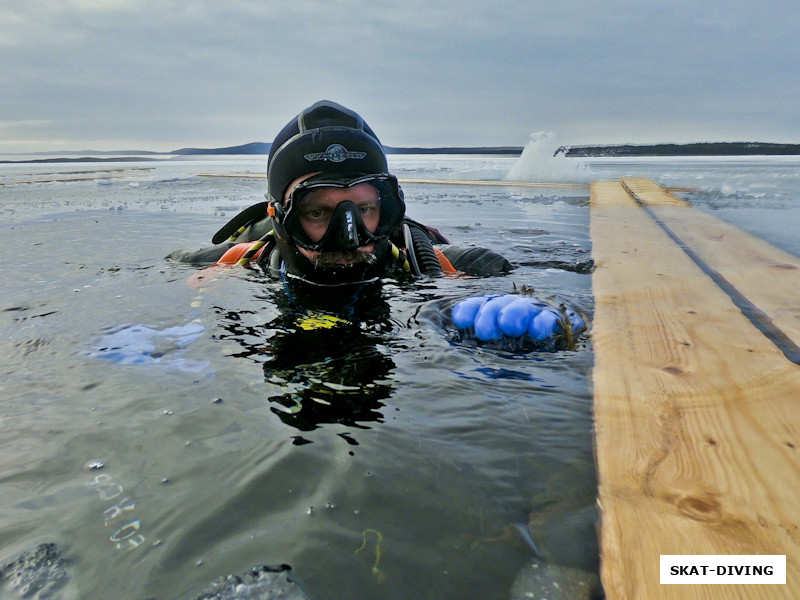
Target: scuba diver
x: 334, y: 215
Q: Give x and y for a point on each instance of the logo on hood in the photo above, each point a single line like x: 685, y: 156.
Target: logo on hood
x: 335, y: 153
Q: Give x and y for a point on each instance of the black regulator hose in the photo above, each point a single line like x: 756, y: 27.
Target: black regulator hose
x: 422, y: 248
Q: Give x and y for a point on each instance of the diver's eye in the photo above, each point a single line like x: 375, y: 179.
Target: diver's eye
x: 315, y: 214
x: 367, y: 207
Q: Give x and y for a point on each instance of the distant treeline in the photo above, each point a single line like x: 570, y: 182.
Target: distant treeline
x: 262, y: 148
x: 79, y: 159
x: 457, y: 150
x: 251, y: 148
x: 695, y: 149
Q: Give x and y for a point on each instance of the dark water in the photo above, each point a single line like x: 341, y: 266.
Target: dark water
x: 378, y: 457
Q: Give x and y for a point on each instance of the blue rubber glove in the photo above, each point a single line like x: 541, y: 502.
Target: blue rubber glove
x: 545, y: 325
x: 511, y: 315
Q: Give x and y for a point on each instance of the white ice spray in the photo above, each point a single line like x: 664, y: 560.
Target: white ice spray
x: 538, y: 163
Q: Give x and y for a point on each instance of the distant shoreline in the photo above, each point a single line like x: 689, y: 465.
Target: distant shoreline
x: 614, y: 151
x: 694, y: 149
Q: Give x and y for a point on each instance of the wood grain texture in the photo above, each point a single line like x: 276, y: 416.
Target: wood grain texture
x: 697, y: 414
x: 766, y: 275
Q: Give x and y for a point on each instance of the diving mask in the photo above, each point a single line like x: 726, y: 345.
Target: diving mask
x: 346, y: 229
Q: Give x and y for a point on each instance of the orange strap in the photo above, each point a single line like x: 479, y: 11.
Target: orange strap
x: 447, y: 266
x: 234, y: 254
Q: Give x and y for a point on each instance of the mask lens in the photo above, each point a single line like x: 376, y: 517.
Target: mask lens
x: 348, y: 218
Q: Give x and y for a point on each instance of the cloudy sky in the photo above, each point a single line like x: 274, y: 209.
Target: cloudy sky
x: 164, y: 74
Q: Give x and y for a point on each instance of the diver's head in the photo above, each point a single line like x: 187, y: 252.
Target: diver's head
x: 333, y: 202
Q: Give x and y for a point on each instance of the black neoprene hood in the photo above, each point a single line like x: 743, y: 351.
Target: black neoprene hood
x: 325, y: 137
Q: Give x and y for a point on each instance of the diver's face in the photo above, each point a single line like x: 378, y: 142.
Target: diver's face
x: 315, y: 212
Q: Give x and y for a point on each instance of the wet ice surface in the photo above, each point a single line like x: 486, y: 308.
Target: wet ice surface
x: 381, y: 460
x: 40, y: 574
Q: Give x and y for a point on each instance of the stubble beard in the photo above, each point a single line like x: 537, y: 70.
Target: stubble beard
x: 344, y: 258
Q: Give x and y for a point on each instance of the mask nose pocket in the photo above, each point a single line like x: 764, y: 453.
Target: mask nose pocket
x: 347, y: 234
x: 346, y: 231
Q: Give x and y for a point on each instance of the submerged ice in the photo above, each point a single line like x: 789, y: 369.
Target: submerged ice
x: 142, y: 344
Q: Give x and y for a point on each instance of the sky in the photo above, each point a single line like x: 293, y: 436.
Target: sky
x: 164, y: 74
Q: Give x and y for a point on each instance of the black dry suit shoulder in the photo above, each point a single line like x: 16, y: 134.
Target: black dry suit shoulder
x: 204, y: 257
x: 238, y: 223
x: 477, y: 261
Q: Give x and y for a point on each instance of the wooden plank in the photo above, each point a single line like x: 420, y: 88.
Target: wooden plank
x: 478, y: 182
x: 747, y: 262
x: 484, y: 182
x: 61, y: 179
x: 77, y: 176
x: 647, y: 192
x: 561, y: 184
x: 696, y: 414
x: 235, y: 175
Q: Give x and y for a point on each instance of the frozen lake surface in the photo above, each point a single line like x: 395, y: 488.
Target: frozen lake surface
x: 384, y: 460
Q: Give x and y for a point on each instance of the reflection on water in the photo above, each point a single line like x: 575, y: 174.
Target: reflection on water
x: 441, y: 444
x: 325, y: 351
x: 424, y: 448
x: 425, y: 451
